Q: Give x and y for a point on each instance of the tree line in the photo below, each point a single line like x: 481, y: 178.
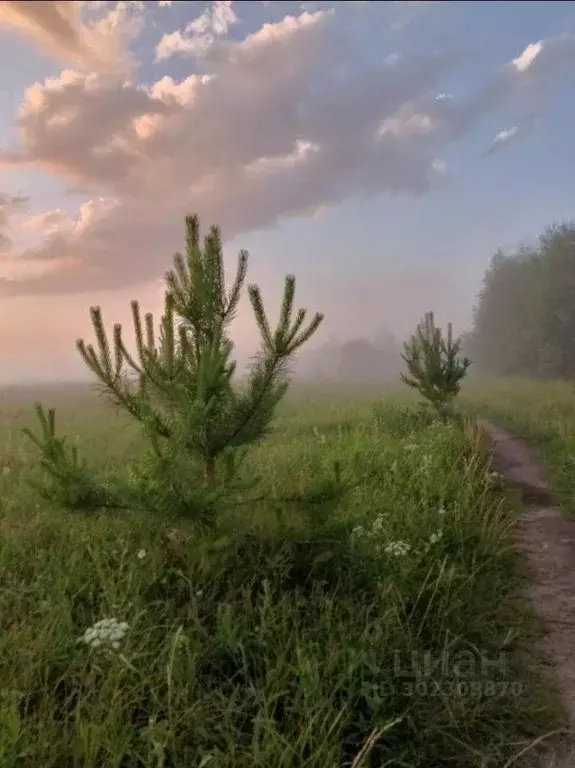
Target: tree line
x: 362, y: 360
x: 524, y: 319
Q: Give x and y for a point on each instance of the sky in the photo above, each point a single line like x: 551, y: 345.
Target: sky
x: 380, y: 151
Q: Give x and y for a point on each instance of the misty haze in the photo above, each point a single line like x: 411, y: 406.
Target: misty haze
x: 287, y: 393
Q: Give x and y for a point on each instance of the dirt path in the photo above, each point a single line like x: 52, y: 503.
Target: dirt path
x: 548, y: 540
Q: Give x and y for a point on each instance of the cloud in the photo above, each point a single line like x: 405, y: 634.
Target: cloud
x: 286, y: 122
x: 522, y: 62
x: 11, y: 206
x: 63, y: 30
x: 506, y: 135
x: 511, y: 135
x: 49, y: 222
x: 201, y: 34
x: 407, y: 11
x: 85, y: 127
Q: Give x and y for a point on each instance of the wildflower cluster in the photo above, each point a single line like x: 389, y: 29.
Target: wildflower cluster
x: 106, y: 633
x: 436, y: 537
x: 397, y: 548
x: 376, y: 536
x: 377, y: 530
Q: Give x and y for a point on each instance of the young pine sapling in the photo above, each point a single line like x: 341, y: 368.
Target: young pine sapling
x: 179, y: 385
x: 434, y: 366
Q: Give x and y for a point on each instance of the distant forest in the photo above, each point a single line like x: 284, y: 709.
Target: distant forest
x: 523, y: 322
x: 358, y: 360
x: 524, y: 319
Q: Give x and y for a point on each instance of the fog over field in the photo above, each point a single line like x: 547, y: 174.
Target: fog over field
x: 382, y: 152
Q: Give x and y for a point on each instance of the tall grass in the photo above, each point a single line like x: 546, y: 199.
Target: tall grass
x: 378, y: 628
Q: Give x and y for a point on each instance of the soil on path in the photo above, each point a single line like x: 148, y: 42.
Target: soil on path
x: 548, y: 540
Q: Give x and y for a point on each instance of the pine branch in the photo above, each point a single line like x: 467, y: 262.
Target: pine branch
x: 260, y: 317
x: 236, y: 289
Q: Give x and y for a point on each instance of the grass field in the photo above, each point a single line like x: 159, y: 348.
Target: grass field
x: 381, y: 627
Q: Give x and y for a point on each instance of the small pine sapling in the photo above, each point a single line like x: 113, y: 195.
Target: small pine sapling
x: 434, y: 366
x: 67, y: 480
x: 179, y: 385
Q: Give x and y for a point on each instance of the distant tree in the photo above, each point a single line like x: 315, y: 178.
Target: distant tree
x: 434, y: 366
x: 388, y: 350
x: 524, y: 320
x: 357, y: 361
x: 363, y: 360
x: 556, y: 355
x: 506, y: 321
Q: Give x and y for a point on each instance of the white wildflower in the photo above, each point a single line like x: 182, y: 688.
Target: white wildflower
x: 142, y: 554
x: 319, y: 435
x: 5, y: 471
x: 436, y: 537
x: 359, y: 532
x: 397, y: 548
x: 106, y: 632
x: 442, y: 512
x: 378, y: 526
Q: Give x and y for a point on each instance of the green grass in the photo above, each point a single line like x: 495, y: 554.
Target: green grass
x: 287, y: 636
x: 542, y: 413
